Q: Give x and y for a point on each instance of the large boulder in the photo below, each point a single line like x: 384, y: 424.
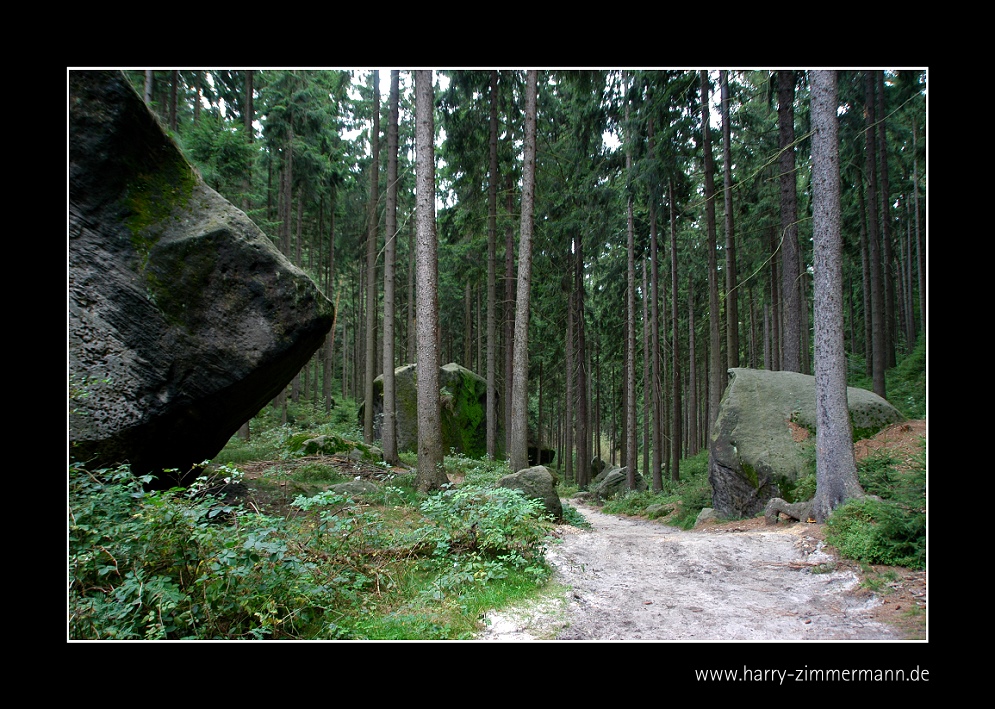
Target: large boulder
x: 184, y: 319
x: 758, y: 441
x: 538, y: 483
x: 612, y: 482
x: 463, y: 395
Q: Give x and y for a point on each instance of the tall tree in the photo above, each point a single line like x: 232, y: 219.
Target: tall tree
x: 716, y: 373
x: 879, y: 359
x: 677, y: 415
x: 431, y: 474
x: 371, y: 262
x: 791, y: 336
x: 835, y: 469
x: 631, y: 461
x: 390, y: 255
x: 732, y: 290
x: 492, y: 180
x: 519, y: 407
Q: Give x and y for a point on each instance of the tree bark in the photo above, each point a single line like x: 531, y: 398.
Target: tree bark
x: 492, y: 180
x: 431, y: 475
x: 388, y: 432
x: 878, y: 322
x: 519, y: 405
x: 631, y: 461
x: 791, y: 336
x: 716, y: 373
x: 677, y: 417
x: 371, y: 262
x: 836, y: 471
x: 732, y: 291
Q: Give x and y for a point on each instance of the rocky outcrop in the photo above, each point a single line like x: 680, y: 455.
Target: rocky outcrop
x: 758, y: 441
x: 538, y: 483
x: 463, y: 395
x: 184, y: 319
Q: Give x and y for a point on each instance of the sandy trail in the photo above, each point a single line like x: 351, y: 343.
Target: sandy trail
x: 633, y: 579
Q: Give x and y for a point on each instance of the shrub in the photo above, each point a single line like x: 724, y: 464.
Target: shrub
x: 482, y: 533
x: 891, y: 530
x: 170, y: 565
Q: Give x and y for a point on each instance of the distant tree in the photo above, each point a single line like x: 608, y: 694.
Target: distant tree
x: 371, y: 262
x: 716, y: 372
x: 388, y: 433
x: 732, y: 297
x: 791, y: 336
x: 431, y: 475
x: 492, y: 180
x: 835, y: 469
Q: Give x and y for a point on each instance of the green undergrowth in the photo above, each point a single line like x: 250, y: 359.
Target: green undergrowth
x: 905, y: 384
x: 890, y: 527
x: 678, y: 503
x: 394, y: 564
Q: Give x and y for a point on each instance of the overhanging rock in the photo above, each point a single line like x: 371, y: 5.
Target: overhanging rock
x: 184, y: 319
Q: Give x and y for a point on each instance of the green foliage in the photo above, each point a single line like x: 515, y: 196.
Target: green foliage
x: 685, y: 499
x: 160, y: 565
x: 574, y: 518
x: 474, y: 471
x: 905, y: 384
x: 892, y: 529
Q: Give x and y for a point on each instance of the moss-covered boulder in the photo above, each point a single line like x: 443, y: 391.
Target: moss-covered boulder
x: 463, y: 398
x: 766, y: 421
x: 184, y: 319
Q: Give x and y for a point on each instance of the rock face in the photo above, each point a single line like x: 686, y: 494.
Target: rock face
x: 754, y: 455
x: 538, y: 483
x: 184, y: 319
x: 464, y: 410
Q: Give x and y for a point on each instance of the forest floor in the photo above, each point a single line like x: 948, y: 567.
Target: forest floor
x: 630, y: 578
x: 636, y: 579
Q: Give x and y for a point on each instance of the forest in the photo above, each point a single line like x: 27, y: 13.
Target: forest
x: 707, y: 173
x: 671, y: 237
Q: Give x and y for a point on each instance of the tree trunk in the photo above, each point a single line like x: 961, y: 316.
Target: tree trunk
x: 583, y: 428
x: 692, y: 407
x: 791, y: 337
x: 509, y: 310
x: 371, y: 263
x: 431, y: 475
x: 388, y: 432
x: 658, y: 445
x: 568, y: 448
x: 519, y: 406
x: 836, y: 471
x: 732, y: 290
x: 676, y: 419
x: 716, y: 373
x: 886, y: 238
x: 631, y: 461
x: 878, y: 323
x: 491, y: 412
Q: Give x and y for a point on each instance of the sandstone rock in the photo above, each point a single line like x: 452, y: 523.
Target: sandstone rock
x: 464, y: 410
x: 614, y: 481
x: 184, y: 319
x: 754, y: 455
x: 539, y: 483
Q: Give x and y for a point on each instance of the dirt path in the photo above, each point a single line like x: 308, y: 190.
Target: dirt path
x: 632, y: 579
